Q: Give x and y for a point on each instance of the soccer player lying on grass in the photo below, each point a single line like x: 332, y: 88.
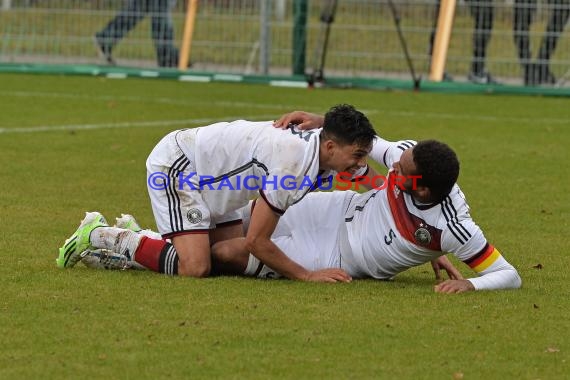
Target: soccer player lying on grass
x: 198, y: 179
x: 385, y: 231
x: 380, y: 233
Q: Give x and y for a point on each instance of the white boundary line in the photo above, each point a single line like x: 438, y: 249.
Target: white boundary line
x: 281, y: 107
x: 140, y: 99
x: 133, y: 124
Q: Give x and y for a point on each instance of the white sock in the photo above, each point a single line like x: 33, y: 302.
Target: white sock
x: 253, y: 266
x: 116, y: 239
x: 151, y: 234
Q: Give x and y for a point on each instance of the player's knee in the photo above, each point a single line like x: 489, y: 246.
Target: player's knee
x: 193, y: 268
x: 220, y: 252
x: 229, y: 257
x: 193, y: 255
x: 227, y: 251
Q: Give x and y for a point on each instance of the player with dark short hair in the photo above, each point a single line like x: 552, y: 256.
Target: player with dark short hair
x: 437, y: 166
x: 382, y: 232
x: 199, y: 178
x: 386, y: 231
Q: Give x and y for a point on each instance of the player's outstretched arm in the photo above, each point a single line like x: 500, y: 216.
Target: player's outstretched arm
x: 303, y: 120
x: 494, y: 273
x: 258, y: 242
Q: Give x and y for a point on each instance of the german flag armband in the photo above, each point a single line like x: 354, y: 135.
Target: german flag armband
x: 484, y: 259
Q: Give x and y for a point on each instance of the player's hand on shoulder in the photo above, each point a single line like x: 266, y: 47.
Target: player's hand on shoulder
x: 303, y: 120
x: 454, y: 286
x: 329, y: 275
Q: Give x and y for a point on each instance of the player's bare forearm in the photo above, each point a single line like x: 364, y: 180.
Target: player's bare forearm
x: 273, y: 257
x: 303, y: 120
x: 269, y: 254
x: 258, y: 242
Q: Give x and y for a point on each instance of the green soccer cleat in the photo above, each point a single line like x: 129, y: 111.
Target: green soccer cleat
x: 128, y: 222
x: 70, y: 253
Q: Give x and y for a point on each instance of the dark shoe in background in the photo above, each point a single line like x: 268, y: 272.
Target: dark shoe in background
x: 447, y: 77
x: 103, y: 50
x: 482, y: 77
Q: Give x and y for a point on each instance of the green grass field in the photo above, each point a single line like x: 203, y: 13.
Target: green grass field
x: 70, y: 145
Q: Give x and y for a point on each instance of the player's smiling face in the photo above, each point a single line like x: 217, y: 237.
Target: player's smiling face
x: 406, y: 167
x: 345, y: 158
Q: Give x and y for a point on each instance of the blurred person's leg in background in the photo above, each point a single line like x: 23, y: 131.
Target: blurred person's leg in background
x: 163, y: 32
x: 482, y: 12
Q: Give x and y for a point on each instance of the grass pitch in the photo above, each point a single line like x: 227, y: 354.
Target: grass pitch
x: 69, y: 145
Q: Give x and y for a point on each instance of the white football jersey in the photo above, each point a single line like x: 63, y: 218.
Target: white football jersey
x: 408, y: 238
x: 384, y: 232
x: 405, y: 234
x: 236, y: 161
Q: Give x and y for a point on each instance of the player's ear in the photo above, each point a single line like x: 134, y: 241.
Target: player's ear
x: 329, y: 146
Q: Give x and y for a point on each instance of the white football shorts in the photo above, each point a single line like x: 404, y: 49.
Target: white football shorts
x: 178, y: 208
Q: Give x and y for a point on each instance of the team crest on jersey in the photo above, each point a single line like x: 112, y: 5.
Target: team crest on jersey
x: 397, y: 191
x: 422, y: 236
x: 194, y: 215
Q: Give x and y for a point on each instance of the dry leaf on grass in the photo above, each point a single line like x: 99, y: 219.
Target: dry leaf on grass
x: 552, y: 349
